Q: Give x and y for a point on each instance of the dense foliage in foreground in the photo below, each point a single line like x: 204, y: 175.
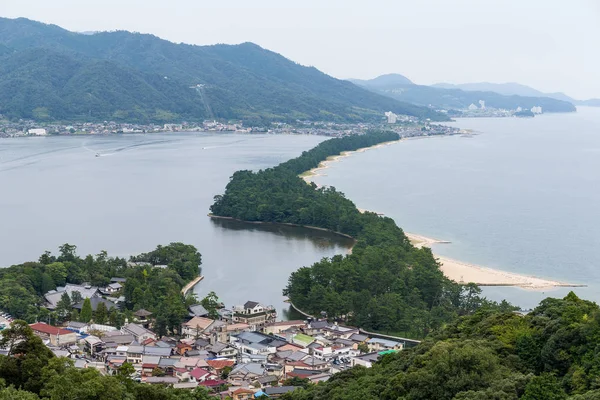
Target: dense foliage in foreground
x: 386, y: 284
x: 156, y: 289
x: 549, y: 354
x: 31, y: 371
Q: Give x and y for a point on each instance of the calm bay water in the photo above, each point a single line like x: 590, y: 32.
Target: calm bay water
x: 521, y: 196
x: 147, y: 190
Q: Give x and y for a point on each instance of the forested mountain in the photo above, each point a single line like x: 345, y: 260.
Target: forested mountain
x: 515, y: 89
x: 456, y: 98
x: 549, y: 354
x: 48, y: 73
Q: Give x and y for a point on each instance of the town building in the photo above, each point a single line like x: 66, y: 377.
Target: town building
x: 55, y: 336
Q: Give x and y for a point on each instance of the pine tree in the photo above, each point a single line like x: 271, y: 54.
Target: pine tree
x: 86, y: 311
x: 101, y: 313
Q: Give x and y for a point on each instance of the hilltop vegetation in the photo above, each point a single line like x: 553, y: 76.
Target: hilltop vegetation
x: 23, y: 286
x: 549, y: 354
x: 48, y: 73
x: 386, y: 284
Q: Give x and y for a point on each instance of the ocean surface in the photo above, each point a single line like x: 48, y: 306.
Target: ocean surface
x: 521, y: 195
x: 146, y: 190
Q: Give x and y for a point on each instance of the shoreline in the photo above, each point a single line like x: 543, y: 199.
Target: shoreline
x: 191, y: 285
x: 285, y: 224
x: 455, y: 270
x: 307, y: 175
x: 463, y: 272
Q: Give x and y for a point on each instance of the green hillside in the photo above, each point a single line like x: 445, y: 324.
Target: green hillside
x: 549, y: 354
x: 49, y: 73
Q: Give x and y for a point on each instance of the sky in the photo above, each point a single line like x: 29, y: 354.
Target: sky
x: 551, y: 45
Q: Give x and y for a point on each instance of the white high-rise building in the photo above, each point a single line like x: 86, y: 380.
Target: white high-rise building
x: 391, y: 117
x: 482, y: 104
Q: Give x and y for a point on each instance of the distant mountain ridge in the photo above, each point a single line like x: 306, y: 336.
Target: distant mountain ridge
x: 513, y: 88
x: 444, y: 96
x: 49, y: 73
x: 383, y: 81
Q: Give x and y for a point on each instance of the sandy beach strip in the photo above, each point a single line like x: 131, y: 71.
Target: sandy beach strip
x: 308, y: 175
x: 462, y: 272
x: 455, y: 270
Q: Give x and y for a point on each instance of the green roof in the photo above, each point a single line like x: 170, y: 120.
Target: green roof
x: 381, y: 353
x: 304, y: 339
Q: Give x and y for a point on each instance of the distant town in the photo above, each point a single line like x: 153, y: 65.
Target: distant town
x: 407, y: 126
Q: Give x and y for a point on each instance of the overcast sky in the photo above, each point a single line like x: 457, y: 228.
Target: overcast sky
x: 552, y: 45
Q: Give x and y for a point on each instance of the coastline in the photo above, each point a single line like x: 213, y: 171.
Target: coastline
x: 191, y: 284
x: 455, y: 270
x: 462, y: 272
x: 331, y: 159
x: 285, y: 224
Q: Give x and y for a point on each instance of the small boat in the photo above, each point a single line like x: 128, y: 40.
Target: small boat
x: 97, y: 154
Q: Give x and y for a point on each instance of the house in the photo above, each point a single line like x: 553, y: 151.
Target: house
x: 168, y: 365
x: 316, y: 327
x: 138, y: 332
x: 302, y: 339
x: 253, y: 313
x: 336, y: 331
x: 278, y: 391
x: 366, y: 360
x: 242, y: 394
x: 118, y: 280
x: 267, y: 380
x: 95, y: 301
x: 148, y: 364
x: 245, y: 373
x: 56, y: 336
x: 278, y: 327
x: 377, y: 344
x: 182, y: 348
x: 200, y: 375
x: 197, y: 310
x: 135, y: 354
x: 93, y: 344
x: 221, y: 350
x: 217, y: 366
x: 37, y: 131
x: 112, y: 288
x: 196, y: 326
x: 54, y: 296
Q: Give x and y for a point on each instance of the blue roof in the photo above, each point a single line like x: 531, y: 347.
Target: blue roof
x: 260, y: 393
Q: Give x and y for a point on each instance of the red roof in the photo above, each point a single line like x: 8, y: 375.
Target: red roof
x: 49, y: 329
x: 220, y: 364
x: 199, y: 373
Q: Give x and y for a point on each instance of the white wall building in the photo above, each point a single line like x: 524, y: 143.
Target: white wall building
x: 391, y: 117
x: 37, y: 131
x: 536, y: 110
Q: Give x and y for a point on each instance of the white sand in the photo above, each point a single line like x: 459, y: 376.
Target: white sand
x: 463, y: 272
x: 455, y: 270
x: 323, y: 165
